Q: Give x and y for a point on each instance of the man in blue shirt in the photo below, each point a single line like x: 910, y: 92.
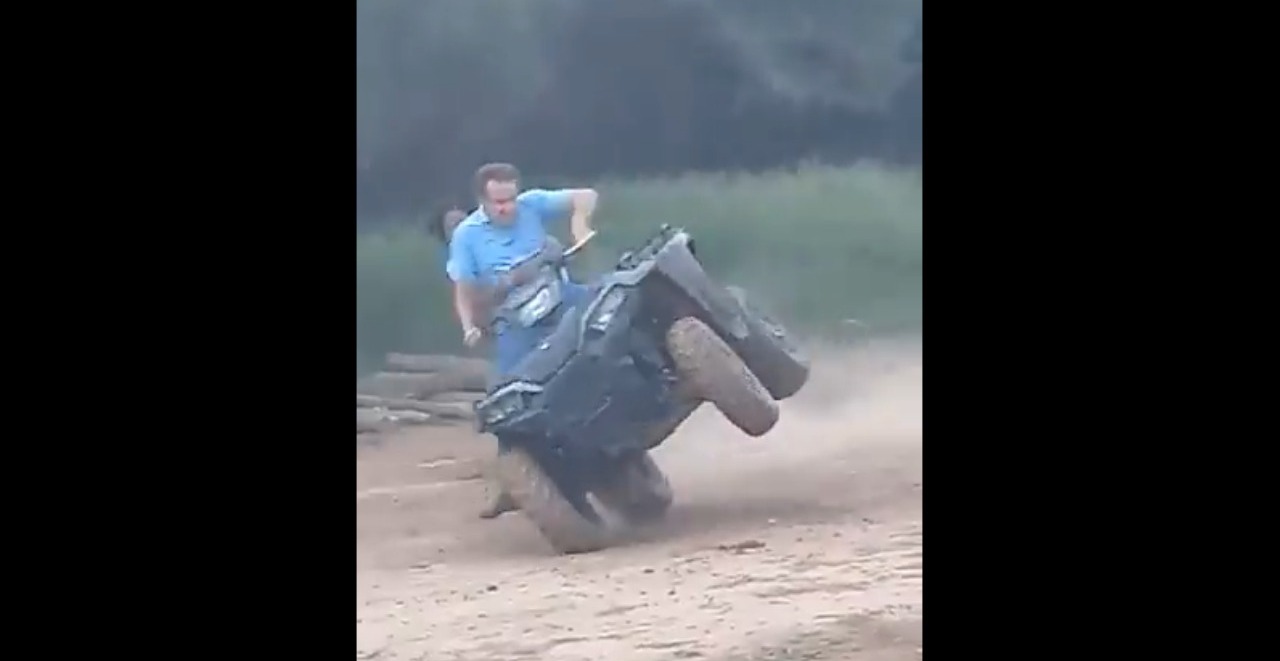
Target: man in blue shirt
x: 508, y: 227
x: 441, y: 226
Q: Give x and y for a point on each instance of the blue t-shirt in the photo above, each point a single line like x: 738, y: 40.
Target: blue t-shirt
x: 444, y: 252
x: 480, y: 250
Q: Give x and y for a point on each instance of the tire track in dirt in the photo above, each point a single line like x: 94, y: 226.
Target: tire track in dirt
x: 806, y: 543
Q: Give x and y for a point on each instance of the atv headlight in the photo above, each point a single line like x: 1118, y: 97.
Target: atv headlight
x: 503, y: 407
x: 603, y: 313
x: 542, y: 303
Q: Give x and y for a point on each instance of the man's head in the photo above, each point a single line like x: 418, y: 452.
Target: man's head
x: 496, y: 187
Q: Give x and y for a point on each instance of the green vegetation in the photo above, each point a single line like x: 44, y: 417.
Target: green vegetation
x: 577, y: 86
x: 817, y: 246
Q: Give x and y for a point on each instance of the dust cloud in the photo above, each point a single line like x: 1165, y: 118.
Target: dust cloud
x: 869, y: 394
x: 806, y: 542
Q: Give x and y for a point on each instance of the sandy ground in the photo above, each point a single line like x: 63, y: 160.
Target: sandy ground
x: 803, y: 544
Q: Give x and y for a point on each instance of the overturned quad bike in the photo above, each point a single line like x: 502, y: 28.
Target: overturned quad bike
x: 615, y: 375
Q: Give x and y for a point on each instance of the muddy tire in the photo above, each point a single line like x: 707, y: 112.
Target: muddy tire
x: 716, y: 374
x: 540, y: 499
x: 640, y: 493
x: 779, y: 363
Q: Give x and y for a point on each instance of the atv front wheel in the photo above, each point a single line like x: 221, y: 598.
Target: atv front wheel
x: 715, y: 373
x: 639, y: 491
x: 781, y: 365
x: 564, y: 526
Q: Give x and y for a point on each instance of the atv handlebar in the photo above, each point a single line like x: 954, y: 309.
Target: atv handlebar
x: 528, y: 270
x: 573, y: 249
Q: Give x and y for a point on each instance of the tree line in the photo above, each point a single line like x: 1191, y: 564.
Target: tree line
x: 582, y: 88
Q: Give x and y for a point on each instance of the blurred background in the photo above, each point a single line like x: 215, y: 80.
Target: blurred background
x: 786, y: 135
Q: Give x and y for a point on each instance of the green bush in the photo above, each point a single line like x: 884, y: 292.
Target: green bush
x: 818, y: 246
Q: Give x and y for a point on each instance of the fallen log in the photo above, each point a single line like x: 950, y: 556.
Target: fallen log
x: 418, y: 385
x: 370, y: 422
x: 378, y: 420
x: 450, y: 382
x: 368, y: 439
x: 389, y: 384
x: 409, y: 362
x: 458, y: 397
x: 443, y: 410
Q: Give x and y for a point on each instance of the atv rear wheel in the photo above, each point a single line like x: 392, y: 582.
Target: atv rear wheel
x: 715, y: 373
x: 639, y: 491
x: 566, y: 528
x: 781, y: 365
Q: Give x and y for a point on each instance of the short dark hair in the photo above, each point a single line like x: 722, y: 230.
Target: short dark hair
x: 435, y: 223
x: 494, y: 172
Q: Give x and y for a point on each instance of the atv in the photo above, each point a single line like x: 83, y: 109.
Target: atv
x: 616, y: 375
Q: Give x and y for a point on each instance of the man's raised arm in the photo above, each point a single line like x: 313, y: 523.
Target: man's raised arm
x: 583, y: 201
x: 579, y: 203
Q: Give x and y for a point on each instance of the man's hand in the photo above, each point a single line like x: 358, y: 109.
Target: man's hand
x: 465, y: 298
x: 579, y: 243
x: 580, y: 227
x: 584, y: 206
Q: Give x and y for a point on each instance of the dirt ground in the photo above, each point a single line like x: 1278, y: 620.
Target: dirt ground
x: 802, y: 544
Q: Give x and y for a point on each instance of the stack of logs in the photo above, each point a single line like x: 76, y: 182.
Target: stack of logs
x: 417, y: 390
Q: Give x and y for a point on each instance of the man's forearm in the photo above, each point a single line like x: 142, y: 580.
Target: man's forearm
x: 584, y: 207
x: 462, y: 302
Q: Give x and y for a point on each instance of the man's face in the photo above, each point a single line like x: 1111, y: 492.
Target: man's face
x: 499, y: 201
